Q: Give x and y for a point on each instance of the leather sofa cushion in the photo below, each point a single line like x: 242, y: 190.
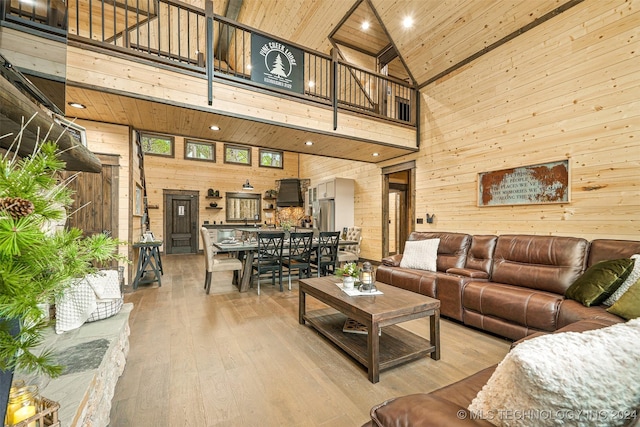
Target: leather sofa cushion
x: 573, y: 311
x: 480, y: 254
x: 521, y: 306
x: 545, y: 263
x: 603, y: 249
x: 579, y: 326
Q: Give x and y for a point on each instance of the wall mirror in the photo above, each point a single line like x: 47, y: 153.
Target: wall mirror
x: 243, y: 207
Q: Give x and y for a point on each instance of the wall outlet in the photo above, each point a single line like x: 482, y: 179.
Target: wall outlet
x: 419, y: 221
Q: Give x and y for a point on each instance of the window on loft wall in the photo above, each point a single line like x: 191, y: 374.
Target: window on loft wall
x: 403, y: 109
x: 237, y: 154
x: 199, y: 150
x: 271, y: 159
x: 156, y: 145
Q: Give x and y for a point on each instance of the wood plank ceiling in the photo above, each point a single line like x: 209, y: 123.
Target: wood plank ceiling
x: 443, y: 33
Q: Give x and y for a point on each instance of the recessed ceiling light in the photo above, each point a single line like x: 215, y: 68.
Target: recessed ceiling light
x: 311, y: 83
x: 407, y: 22
x: 77, y: 105
x: 308, y: 143
x: 375, y: 154
x: 248, y: 66
x: 365, y: 25
x: 214, y: 127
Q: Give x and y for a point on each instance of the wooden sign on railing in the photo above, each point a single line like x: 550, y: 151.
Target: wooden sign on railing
x: 277, y: 64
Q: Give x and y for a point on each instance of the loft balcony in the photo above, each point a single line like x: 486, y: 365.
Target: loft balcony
x: 169, y: 67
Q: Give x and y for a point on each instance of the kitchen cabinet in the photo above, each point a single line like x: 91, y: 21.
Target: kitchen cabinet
x: 327, y: 190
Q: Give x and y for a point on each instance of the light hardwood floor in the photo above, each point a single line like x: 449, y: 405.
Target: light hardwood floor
x: 232, y: 359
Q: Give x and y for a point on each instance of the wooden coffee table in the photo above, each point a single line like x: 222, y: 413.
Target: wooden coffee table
x: 376, y: 351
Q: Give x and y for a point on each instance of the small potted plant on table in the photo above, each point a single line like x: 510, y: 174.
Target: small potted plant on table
x: 349, y: 273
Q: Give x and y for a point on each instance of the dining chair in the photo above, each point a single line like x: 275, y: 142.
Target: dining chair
x: 326, y: 257
x: 298, y: 256
x: 268, y: 257
x: 216, y: 264
x: 351, y: 253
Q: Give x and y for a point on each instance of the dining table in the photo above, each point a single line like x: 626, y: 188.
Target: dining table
x: 245, y: 251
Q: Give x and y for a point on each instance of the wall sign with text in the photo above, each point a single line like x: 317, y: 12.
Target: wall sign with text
x: 276, y: 64
x: 536, y: 184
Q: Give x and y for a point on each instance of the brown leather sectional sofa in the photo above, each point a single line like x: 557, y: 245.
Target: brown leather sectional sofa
x: 510, y: 285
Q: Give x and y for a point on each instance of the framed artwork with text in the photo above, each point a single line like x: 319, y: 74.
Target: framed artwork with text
x: 525, y: 185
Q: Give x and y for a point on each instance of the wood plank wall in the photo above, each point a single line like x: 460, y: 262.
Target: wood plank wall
x: 38, y: 54
x: 567, y: 89
x: 180, y: 174
x: 114, y: 139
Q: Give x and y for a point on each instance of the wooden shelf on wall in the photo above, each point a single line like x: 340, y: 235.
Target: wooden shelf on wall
x: 213, y: 197
x: 211, y: 207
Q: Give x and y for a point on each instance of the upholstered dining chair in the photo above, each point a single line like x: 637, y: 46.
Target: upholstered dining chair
x: 216, y: 264
x: 298, y: 256
x: 326, y: 257
x: 268, y: 257
x: 351, y: 253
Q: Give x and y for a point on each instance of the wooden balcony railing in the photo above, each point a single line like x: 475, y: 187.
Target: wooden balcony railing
x: 175, y: 34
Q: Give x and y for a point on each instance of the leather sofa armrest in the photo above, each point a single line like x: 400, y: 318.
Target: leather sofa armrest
x: 422, y: 410
x: 392, y: 261
x: 468, y: 272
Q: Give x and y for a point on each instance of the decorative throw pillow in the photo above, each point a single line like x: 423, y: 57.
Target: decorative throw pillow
x: 628, y: 306
x: 630, y: 280
x: 577, y: 379
x: 420, y: 254
x: 600, y: 281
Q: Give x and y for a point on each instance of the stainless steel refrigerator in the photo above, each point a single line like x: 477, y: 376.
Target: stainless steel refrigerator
x: 327, y: 215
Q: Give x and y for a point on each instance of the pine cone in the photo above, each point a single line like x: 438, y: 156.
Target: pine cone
x: 16, y: 207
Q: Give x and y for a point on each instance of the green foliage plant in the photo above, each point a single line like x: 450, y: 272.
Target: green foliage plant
x: 37, y: 263
x: 348, y: 269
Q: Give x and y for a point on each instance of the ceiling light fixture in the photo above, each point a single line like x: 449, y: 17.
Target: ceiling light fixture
x: 407, y: 22
x: 311, y: 83
x: 309, y: 143
x: 375, y: 154
x: 77, y: 105
x: 365, y: 25
x: 247, y: 186
x: 214, y: 127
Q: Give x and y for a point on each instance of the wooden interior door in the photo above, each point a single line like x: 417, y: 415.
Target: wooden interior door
x: 95, y: 206
x: 181, y: 219
x: 398, y: 201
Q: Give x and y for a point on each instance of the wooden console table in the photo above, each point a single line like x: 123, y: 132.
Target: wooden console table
x: 148, y: 261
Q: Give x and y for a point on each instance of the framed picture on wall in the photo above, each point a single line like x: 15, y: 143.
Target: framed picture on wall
x: 525, y: 185
x: 137, y: 208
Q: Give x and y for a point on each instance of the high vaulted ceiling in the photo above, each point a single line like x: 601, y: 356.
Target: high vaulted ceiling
x: 444, y: 32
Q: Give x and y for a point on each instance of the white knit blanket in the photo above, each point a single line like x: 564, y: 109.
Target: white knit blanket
x: 571, y: 379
